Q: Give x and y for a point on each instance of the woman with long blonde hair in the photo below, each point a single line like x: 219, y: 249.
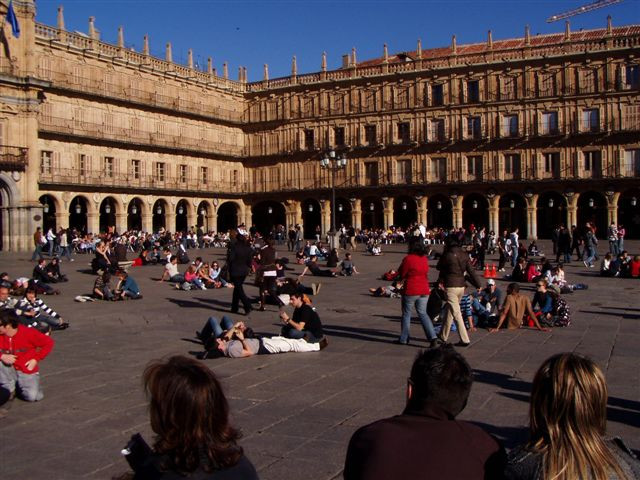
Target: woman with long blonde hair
x: 568, y: 416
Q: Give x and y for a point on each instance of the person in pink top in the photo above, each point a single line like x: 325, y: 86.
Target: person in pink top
x: 414, y: 272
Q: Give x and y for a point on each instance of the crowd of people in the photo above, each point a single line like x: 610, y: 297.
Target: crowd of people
x: 440, y: 379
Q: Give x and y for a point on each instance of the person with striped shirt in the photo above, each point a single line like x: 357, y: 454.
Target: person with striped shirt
x: 33, y: 312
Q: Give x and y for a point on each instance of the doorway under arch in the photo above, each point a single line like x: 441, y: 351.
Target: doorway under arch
x: 405, y: 211
x: 513, y: 214
x: 227, y: 216
x: 266, y: 215
x: 311, y: 218
x: 475, y: 211
x: 439, y: 212
x: 78, y: 209
x: 551, y: 212
x: 592, y: 208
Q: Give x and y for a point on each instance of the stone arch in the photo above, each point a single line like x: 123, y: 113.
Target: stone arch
x: 343, y: 212
x: 136, y: 210
x: 592, y: 208
x: 183, y: 211
x: 159, y: 212
x: 267, y: 214
x: 80, y: 207
x: 203, y: 212
x: 50, y: 208
x: 372, y: 213
x: 629, y: 212
x: 311, y: 217
x: 9, y: 198
x: 551, y: 211
x: 439, y: 212
x: 109, y: 207
x: 405, y: 211
x: 228, y: 215
x: 513, y: 213
x: 475, y: 211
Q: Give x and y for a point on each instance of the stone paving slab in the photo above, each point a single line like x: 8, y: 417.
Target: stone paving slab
x: 296, y: 411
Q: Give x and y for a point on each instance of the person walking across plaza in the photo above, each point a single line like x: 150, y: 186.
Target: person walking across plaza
x: 414, y: 272
x: 38, y: 240
x: 455, y: 269
x: 240, y: 256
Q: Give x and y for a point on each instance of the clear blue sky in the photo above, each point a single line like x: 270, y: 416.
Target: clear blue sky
x: 252, y: 33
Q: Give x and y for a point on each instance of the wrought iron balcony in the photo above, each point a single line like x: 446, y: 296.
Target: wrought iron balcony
x: 13, y: 158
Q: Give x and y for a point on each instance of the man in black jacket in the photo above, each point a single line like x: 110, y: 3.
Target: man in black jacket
x: 453, y: 265
x: 426, y: 441
x: 240, y: 257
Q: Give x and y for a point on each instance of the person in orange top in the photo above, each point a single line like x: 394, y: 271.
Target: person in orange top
x: 22, y: 349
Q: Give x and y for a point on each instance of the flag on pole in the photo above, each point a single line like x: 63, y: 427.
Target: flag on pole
x: 13, y: 20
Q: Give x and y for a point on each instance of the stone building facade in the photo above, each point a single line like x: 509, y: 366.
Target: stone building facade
x: 526, y: 132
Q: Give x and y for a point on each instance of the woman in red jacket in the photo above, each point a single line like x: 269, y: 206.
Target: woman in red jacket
x: 414, y: 271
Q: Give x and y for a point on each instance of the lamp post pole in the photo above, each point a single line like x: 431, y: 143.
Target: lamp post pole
x: 334, y: 163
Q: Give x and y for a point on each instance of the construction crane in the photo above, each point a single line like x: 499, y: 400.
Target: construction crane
x: 583, y: 9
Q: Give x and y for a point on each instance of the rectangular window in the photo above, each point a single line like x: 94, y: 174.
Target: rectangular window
x: 437, y: 133
x: 107, y: 167
x: 309, y: 140
x: 474, y: 128
x: 135, y: 169
x: 182, y: 173
x: 338, y: 133
x: 547, y: 85
x: 631, y: 77
x: 82, y: 164
x: 509, y: 88
x: 234, y: 178
x: 549, y: 124
x: 404, y: 132
x: 510, y: 126
x: 632, y: 163
x: 204, y: 175
x: 593, y: 163
x: 473, y: 91
x: 552, y: 164
x: 439, y: 169
x: 370, y: 135
x: 46, y: 161
x: 437, y: 95
x: 631, y: 119
x: 589, y: 81
x: 590, y: 120
x: 159, y: 171
x: 404, y: 171
x: 371, y: 174
x: 512, y: 165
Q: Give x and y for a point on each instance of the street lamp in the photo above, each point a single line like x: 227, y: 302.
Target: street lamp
x: 551, y: 203
x: 134, y: 210
x: 332, y: 162
x: 634, y: 201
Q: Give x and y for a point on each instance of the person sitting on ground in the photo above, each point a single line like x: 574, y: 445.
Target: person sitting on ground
x: 516, y: 306
x: 170, y: 272
x: 533, y: 272
x: 192, y: 278
x: 289, y: 286
x: 304, y: 323
x: 313, y: 267
x: 53, y: 271
x: 22, y: 349
x: 190, y: 417
x: 102, y: 287
x: 101, y: 260
x: 301, y: 259
x: 533, y: 249
x: 35, y: 313
x: 40, y: 273
x: 634, y: 267
x: 492, y: 297
x: 215, y: 273
x: 519, y: 271
x: 542, y: 302
x: 605, y: 266
x: 568, y: 420
x: 394, y: 448
x: 333, y: 259
x: 347, y: 268
x: 127, y: 287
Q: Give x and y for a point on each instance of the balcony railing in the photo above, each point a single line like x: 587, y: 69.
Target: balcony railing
x: 13, y: 158
x: 103, y: 131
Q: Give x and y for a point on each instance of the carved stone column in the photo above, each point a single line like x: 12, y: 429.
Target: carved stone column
x: 356, y: 213
x: 387, y: 205
x: 457, y: 211
x: 421, y: 203
x: 572, y: 208
x: 612, y: 206
x: 494, y: 214
x: 93, y: 222
x: 532, y: 221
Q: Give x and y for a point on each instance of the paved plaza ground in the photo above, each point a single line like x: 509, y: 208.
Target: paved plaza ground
x: 296, y: 411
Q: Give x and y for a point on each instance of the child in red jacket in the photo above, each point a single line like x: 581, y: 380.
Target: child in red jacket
x: 22, y: 349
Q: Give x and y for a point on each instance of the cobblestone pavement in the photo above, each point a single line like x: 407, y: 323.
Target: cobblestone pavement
x: 297, y: 411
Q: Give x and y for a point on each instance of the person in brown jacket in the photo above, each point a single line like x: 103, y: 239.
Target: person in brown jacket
x: 425, y: 441
x: 37, y: 243
x: 515, y: 308
x: 453, y: 265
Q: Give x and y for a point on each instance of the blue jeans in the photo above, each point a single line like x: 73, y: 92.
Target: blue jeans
x: 289, y: 332
x: 514, y: 258
x: 420, y: 304
x: 590, y: 254
x: 215, y: 328
x: 37, y: 252
x: 28, y: 384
